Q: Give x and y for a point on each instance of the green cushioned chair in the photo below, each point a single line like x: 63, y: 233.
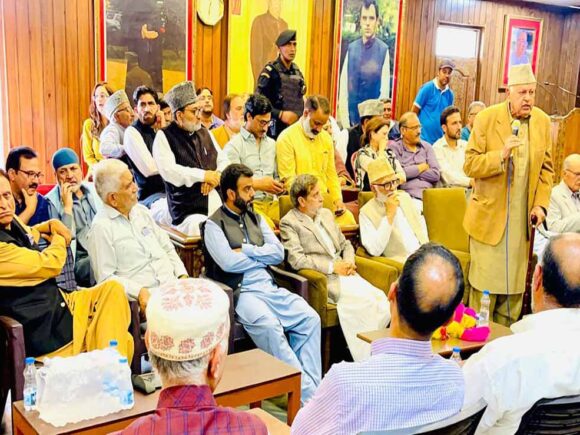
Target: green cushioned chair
x: 444, y: 209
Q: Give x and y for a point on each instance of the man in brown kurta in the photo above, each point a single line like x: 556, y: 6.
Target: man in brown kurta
x: 494, y: 153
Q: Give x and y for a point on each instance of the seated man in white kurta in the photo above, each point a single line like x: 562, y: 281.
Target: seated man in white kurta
x: 125, y: 243
x: 390, y: 224
x: 564, y: 209
x: 314, y: 241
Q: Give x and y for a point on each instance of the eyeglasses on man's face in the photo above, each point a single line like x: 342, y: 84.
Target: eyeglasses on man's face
x: 32, y: 174
x: 388, y: 184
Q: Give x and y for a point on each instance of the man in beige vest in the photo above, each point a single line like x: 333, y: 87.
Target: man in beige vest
x: 390, y: 224
x: 494, y: 154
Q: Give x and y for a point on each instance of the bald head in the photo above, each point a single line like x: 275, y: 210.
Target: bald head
x: 561, y: 270
x: 430, y: 288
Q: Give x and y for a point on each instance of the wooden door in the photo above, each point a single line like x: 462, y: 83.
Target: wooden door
x: 465, y: 77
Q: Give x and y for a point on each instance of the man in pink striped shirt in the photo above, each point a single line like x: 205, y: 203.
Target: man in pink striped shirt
x: 403, y: 384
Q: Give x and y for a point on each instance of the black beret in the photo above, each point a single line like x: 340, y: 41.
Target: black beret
x: 285, y: 37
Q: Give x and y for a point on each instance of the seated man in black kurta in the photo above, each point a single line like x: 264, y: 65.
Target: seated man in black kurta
x: 54, y: 323
x: 189, y: 161
x: 138, y: 143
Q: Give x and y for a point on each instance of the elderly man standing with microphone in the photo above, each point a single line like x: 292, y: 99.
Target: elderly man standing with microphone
x: 508, y: 156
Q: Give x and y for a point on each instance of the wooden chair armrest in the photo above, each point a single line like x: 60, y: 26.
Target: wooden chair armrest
x: 291, y: 281
x: 13, y: 365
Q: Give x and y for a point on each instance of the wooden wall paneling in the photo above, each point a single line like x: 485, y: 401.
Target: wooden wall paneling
x: 23, y: 59
x: 322, y: 49
x: 60, y: 71
x: 570, y: 63
x: 211, y: 59
x: 86, y: 69
x: 37, y: 94
x: 418, y: 61
x: 48, y: 72
x: 72, y: 81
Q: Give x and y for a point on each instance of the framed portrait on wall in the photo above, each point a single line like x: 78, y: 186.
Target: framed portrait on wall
x: 147, y: 42
x: 254, y: 26
x: 367, y: 52
x: 521, y: 44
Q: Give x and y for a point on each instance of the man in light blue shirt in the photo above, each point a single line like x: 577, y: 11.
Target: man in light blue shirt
x: 239, y: 248
x: 433, y: 97
x: 403, y: 384
x: 258, y: 152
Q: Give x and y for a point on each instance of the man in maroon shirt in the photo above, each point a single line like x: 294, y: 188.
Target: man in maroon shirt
x: 187, y: 337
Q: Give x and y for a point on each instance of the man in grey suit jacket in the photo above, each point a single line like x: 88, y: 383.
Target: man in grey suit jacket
x: 314, y: 241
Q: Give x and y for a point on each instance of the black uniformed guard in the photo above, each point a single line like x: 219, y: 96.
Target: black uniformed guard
x: 283, y: 84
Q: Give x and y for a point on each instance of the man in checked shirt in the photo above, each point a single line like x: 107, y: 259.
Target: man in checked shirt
x: 403, y: 384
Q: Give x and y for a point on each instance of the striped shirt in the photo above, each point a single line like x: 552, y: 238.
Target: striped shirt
x: 402, y: 384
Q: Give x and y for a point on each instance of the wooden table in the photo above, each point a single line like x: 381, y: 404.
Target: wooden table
x: 249, y: 377
x: 445, y: 347
x: 275, y: 426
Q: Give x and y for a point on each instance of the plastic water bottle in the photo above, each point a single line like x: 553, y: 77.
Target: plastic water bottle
x: 110, y: 374
x: 125, y: 385
x: 483, y: 317
x: 456, y: 355
x: 30, y: 387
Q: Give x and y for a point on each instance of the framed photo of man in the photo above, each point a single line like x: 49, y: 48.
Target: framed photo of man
x: 145, y: 42
x: 366, y: 58
x: 254, y: 26
x: 521, y: 44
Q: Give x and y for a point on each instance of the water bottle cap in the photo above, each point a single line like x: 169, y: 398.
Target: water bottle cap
x: 486, y: 292
x: 113, y: 343
x: 29, y: 360
x: 456, y: 349
x: 123, y: 360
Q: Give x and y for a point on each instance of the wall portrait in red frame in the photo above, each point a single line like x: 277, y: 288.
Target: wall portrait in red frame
x: 521, y: 44
x: 367, y: 54
x: 147, y: 42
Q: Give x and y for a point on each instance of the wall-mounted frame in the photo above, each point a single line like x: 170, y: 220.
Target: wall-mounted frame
x: 521, y: 44
x: 367, y: 54
x: 148, y: 42
x: 253, y: 27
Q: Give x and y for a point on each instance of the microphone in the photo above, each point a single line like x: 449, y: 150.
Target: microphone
x: 516, y: 126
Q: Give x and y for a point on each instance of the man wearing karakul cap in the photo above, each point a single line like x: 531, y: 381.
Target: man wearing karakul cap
x: 366, y: 110
x: 282, y: 82
x: 390, y: 224
x: 120, y: 115
x: 189, y: 161
x: 494, y: 154
x: 74, y: 203
x: 187, y: 337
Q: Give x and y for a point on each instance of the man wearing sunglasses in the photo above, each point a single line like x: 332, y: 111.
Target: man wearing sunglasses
x: 253, y: 148
x: 390, y: 224
x: 23, y: 168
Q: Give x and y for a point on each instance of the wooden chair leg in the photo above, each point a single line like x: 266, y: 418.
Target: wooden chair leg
x: 326, y: 349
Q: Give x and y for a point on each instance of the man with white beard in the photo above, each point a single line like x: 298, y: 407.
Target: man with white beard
x: 189, y: 161
x: 390, y: 224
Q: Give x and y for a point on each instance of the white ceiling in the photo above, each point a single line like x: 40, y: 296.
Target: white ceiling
x: 563, y: 3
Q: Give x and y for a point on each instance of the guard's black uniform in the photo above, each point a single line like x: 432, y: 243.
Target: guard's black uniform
x: 284, y: 88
